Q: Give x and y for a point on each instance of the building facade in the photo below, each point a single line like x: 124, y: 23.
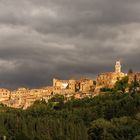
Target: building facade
x: 108, y: 80
x: 84, y: 87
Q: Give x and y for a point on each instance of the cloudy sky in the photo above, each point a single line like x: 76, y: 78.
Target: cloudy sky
x: 42, y: 39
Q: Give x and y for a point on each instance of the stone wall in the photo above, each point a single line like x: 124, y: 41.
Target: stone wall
x: 108, y: 80
x: 81, y: 88
x: 23, y: 97
x: 83, y: 85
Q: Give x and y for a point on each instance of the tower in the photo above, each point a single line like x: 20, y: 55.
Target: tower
x: 54, y: 82
x: 118, y: 67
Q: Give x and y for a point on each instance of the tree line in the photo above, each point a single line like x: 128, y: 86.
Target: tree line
x: 114, y: 115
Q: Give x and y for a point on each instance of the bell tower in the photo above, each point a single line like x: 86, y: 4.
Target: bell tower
x: 118, y: 67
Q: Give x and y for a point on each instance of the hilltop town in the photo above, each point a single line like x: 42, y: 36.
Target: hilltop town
x: 85, y: 87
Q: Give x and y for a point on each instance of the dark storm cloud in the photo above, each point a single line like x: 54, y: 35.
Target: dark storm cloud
x: 42, y: 39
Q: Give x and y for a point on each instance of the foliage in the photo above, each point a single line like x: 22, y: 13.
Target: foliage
x: 134, y: 86
x: 106, y: 89
x: 56, y: 102
x: 122, y: 84
x: 104, y: 117
x: 130, y: 71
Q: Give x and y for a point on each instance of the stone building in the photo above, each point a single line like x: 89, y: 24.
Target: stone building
x: 118, y: 67
x: 72, y: 86
x: 65, y: 84
x: 23, y: 97
x: 4, y: 94
x: 108, y: 80
x: 87, y: 85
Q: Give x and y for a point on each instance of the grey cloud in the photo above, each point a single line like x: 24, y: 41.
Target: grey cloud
x: 40, y: 40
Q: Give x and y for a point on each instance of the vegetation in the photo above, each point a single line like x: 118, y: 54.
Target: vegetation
x: 114, y: 115
x: 122, y: 84
x: 107, y: 117
x: 134, y: 86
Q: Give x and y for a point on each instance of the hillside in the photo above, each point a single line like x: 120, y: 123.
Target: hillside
x: 113, y: 116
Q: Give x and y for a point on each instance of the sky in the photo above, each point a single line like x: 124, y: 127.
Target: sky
x: 45, y: 39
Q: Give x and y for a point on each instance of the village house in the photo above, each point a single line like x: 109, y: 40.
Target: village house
x: 84, y: 87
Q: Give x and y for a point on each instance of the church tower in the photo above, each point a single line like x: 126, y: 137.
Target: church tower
x: 118, y: 67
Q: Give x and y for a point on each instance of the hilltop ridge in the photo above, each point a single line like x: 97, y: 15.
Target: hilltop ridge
x: 84, y: 87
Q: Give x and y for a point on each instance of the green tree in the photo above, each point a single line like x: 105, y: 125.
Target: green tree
x: 101, y: 130
x: 130, y: 71
x: 133, y: 87
x: 56, y: 102
x: 21, y: 136
x: 121, y: 85
x: 137, y: 137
